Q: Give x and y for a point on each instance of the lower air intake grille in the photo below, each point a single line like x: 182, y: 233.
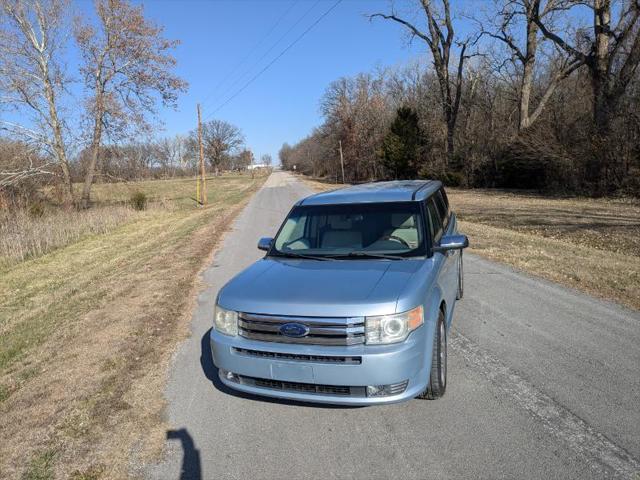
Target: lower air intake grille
x: 340, y: 390
x: 340, y: 360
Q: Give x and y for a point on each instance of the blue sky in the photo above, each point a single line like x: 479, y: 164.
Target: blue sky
x: 282, y: 104
x: 224, y: 43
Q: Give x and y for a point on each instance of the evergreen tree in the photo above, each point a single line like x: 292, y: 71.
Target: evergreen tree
x: 402, y: 144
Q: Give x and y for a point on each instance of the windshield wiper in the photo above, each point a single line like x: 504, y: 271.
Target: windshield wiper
x: 367, y: 255
x: 301, y: 255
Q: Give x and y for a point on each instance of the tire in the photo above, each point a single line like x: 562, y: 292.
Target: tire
x: 460, y: 278
x: 438, y: 375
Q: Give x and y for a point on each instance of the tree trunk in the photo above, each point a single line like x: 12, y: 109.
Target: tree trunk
x: 527, y: 75
x: 451, y: 127
x: 57, y: 135
x: 600, y: 77
x: 66, y: 175
x: 96, y: 139
x: 93, y: 161
x: 601, y: 99
x: 62, y: 156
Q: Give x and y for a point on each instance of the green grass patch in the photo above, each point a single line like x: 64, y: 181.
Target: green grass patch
x: 40, y: 467
x: 4, y: 393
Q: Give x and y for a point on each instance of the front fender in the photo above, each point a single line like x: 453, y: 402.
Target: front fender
x: 426, y: 291
x: 429, y: 294
x: 432, y: 306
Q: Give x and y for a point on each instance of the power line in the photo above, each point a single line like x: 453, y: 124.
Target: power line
x: 251, y: 51
x: 265, y: 54
x: 252, y: 79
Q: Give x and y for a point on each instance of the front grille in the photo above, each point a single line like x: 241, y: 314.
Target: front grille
x: 300, y: 358
x: 322, y: 331
x: 338, y: 390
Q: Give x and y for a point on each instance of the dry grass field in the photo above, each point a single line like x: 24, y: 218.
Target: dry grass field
x: 87, y: 328
x: 592, y: 245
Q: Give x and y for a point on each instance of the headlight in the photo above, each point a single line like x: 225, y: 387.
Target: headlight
x: 392, y: 328
x: 225, y: 321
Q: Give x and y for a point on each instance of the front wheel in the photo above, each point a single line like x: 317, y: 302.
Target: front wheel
x: 438, y: 374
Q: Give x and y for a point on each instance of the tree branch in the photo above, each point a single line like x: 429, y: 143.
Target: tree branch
x: 411, y: 28
x: 551, y: 87
x: 559, y: 41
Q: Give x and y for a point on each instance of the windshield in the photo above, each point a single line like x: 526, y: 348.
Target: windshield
x: 354, y: 230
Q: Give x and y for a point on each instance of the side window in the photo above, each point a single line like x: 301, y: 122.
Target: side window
x: 435, y: 221
x: 442, y: 207
x: 293, y: 230
x: 298, y: 230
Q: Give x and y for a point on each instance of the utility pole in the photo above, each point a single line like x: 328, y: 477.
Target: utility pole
x: 341, y: 160
x: 202, y: 186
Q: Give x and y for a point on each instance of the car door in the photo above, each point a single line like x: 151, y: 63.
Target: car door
x: 443, y: 224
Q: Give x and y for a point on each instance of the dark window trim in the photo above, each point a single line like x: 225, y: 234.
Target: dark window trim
x: 436, y: 238
x: 426, y: 222
x: 445, y: 219
x: 445, y: 198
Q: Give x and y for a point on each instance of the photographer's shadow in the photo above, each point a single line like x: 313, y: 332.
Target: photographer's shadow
x: 191, y: 467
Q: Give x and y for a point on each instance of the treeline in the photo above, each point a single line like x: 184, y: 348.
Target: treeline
x: 532, y: 99
x: 25, y: 171
x: 224, y: 149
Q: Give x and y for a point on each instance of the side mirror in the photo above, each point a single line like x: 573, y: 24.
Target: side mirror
x: 265, y: 243
x: 452, y: 242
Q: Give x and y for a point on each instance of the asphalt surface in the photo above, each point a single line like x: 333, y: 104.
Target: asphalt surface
x: 543, y: 382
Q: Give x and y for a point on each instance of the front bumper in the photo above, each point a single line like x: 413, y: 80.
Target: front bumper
x: 300, y: 367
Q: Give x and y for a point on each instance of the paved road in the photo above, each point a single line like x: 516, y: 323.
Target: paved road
x: 543, y: 383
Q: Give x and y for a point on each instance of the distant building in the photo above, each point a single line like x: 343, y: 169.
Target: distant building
x: 253, y: 166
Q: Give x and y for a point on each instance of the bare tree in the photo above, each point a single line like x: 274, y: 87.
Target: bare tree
x: 19, y: 163
x: 611, y: 53
x: 285, y: 155
x: 32, y: 78
x: 171, y: 154
x: 127, y: 66
x: 440, y: 39
x: 508, y: 19
x: 357, y: 113
x: 266, y: 160
x: 220, y: 139
x: 243, y: 159
x: 180, y: 152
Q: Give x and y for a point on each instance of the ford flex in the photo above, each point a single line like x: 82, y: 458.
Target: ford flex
x: 352, y: 301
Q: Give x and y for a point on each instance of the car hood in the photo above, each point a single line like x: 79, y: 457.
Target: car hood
x: 319, y: 288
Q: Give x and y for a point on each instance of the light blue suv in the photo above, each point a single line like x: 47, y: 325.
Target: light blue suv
x: 351, y: 304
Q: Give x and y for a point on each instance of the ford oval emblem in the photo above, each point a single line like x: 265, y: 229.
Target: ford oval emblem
x: 295, y: 330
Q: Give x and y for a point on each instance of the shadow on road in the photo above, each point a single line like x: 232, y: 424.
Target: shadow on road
x: 191, y: 469
x: 211, y: 372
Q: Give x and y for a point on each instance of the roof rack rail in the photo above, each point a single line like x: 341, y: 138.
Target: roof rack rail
x: 415, y: 192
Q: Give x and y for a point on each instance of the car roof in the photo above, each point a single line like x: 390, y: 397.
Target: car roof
x: 376, y: 192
